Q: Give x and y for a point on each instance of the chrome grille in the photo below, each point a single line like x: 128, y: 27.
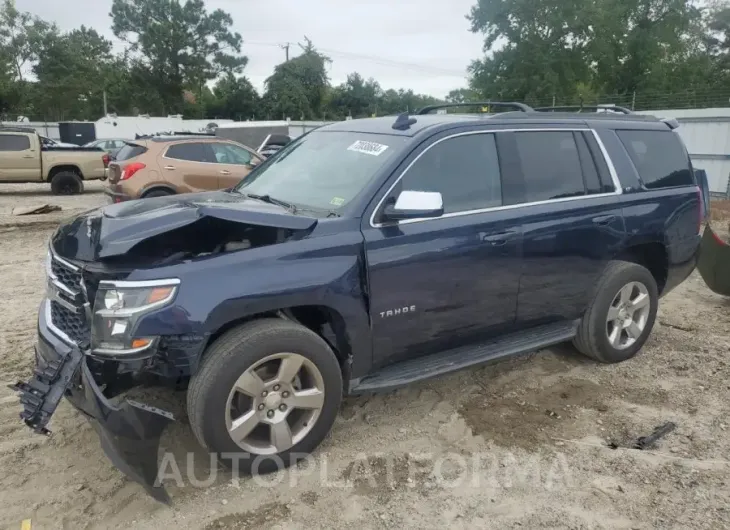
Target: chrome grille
x: 68, y: 277
x: 72, y: 324
x: 67, y: 297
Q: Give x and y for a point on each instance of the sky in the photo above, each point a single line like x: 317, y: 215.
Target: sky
x: 424, y: 45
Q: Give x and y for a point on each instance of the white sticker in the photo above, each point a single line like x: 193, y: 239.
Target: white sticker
x: 369, y: 148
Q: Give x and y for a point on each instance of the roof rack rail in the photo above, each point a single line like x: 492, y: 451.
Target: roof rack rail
x: 581, y: 108
x: 10, y: 128
x: 504, y: 104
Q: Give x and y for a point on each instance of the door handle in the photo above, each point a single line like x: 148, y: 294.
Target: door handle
x: 28, y: 156
x: 225, y: 172
x: 604, y: 220
x: 170, y: 167
x: 498, y: 239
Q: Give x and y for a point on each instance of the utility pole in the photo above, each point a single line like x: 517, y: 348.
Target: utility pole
x: 106, y: 112
x: 285, y: 47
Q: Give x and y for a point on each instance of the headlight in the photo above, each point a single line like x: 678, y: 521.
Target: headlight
x: 117, y: 309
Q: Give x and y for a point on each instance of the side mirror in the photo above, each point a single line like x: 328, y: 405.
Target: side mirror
x: 415, y: 205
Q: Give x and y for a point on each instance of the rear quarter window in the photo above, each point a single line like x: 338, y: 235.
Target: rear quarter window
x: 659, y: 158
x: 130, y: 151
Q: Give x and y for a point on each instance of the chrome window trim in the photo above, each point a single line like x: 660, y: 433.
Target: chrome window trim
x: 609, y: 162
x: 611, y: 169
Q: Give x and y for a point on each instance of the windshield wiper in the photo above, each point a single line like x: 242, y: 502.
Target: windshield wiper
x: 271, y: 200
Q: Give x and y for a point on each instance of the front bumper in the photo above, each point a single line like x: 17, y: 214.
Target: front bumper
x: 129, y: 433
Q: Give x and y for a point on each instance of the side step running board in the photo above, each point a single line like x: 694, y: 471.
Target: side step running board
x: 420, y: 368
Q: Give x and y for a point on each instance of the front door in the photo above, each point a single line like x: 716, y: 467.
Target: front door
x: 20, y: 159
x: 436, y: 284
x: 190, y: 167
x: 234, y: 163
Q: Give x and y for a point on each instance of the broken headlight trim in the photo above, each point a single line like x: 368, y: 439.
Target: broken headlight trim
x: 118, y: 307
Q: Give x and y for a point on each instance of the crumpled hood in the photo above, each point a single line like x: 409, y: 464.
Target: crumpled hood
x: 113, y: 230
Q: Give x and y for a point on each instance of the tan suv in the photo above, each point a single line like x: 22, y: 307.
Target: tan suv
x: 167, y: 165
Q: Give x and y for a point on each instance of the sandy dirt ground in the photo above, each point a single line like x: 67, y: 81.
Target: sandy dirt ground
x: 520, y: 444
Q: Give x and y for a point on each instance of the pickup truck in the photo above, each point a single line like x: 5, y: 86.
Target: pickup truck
x: 24, y: 157
x: 362, y: 256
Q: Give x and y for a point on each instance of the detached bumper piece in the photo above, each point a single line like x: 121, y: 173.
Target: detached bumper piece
x: 41, y: 395
x: 129, y: 433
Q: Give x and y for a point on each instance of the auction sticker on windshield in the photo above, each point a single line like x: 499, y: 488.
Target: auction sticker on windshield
x: 369, y: 148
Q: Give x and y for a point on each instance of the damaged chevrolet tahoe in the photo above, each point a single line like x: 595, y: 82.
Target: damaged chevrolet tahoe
x: 363, y: 256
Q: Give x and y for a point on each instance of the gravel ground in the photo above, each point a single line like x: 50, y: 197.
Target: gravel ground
x: 520, y: 444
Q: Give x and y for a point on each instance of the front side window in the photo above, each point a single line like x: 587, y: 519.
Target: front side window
x: 659, y: 157
x: 464, y: 169
x: 231, y: 154
x: 550, y: 165
x: 191, y: 152
x: 323, y: 170
x: 14, y: 142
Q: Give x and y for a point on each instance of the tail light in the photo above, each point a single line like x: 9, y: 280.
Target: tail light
x: 131, y: 169
x: 105, y: 158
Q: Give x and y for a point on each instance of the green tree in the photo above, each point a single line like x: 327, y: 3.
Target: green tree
x: 356, y: 97
x: 299, y: 87
x: 72, y: 69
x: 178, y: 44
x: 234, y: 98
x: 570, y: 50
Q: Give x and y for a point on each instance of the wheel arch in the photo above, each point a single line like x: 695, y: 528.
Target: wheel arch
x: 157, y: 187
x: 326, y: 321
x: 650, y: 254
x: 55, y: 170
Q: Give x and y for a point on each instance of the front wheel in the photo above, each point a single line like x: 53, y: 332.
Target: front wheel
x: 622, y: 314
x: 266, y: 395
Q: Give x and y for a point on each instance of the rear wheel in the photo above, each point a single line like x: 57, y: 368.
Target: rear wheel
x: 621, y: 316
x: 266, y: 395
x: 66, y: 183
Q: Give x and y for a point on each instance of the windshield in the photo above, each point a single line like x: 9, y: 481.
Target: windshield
x: 323, y: 170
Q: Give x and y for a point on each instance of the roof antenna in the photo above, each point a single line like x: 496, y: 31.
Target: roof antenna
x: 403, y: 122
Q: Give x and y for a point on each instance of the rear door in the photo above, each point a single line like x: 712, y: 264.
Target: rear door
x: 572, y: 222
x: 439, y: 283
x: 190, y: 167
x: 20, y: 158
x: 234, y: 163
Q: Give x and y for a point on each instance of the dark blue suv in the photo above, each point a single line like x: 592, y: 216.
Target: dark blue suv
x: 363, y: 256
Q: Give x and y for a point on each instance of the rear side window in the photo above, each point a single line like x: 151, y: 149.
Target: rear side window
x: 191, y: 151
x: 14, y: 142
x: 550, y: 165
x: 659, y: 157
x: 130, y: 151
x: 464, y: 169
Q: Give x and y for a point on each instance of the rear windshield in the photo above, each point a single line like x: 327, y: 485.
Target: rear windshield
x: 130, y: 151
x: 323, y: 170
x: 659, y: 157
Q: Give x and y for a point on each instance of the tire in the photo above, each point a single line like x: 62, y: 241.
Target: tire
x: 157, y: 193
x: 239, y: 351
x: 592, y: 338
x: 67, y: 183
